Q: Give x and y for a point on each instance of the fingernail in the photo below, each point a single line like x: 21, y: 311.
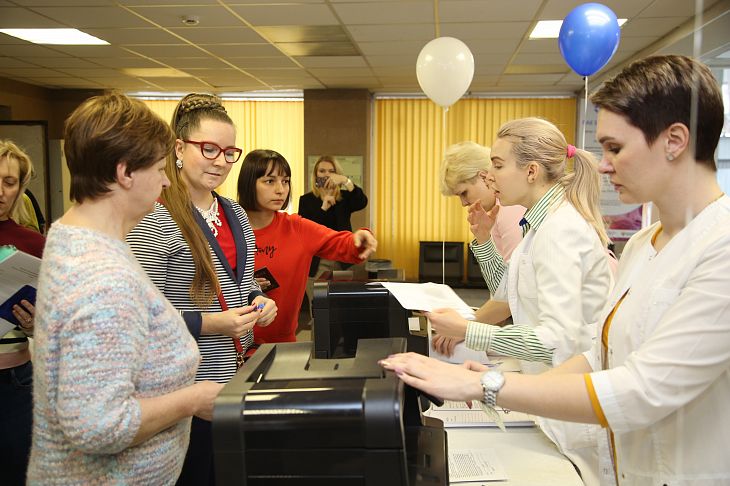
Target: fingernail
x: 382, y: 362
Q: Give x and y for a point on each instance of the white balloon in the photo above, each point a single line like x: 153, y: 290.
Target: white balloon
x: 445, y: 68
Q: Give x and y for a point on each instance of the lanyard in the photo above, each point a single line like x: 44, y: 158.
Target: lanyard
x: 604, y: 366
x: 240, y: 354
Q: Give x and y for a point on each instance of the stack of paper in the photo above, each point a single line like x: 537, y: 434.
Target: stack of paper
x: 458, y: 414
x: 475, y: 465
x: 18, y: 281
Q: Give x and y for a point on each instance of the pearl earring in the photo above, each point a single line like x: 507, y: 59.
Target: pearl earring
x: 178, y: 164
x: 670, y: 157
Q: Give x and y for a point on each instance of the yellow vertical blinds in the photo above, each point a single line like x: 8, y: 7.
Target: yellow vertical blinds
x: 410, y: 138
x: 275, y: 125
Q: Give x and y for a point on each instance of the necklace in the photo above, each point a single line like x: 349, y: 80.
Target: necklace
x: 211, y: 216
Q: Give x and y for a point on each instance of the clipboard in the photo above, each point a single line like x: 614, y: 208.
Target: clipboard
x: 265, y: 273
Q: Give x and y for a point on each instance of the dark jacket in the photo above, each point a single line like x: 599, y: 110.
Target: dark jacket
x: 337, y: 217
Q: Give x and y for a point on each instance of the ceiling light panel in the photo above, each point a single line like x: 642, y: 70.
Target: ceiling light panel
x: 68, y: 37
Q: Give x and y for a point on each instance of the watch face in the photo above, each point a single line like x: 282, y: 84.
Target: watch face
x: 493, y: 380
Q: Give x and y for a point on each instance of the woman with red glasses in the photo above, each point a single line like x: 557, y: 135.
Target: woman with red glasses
x: 198, y: 248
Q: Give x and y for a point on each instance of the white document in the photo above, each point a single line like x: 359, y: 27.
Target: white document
x: 427, y: 297
x: 16, y: 270
x: 475, y: 417
x: 461, y: 353
x: 475, y: 465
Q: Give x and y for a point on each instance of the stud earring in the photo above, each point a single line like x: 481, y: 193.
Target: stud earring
x: 670, y: 157
x: 178, y: 164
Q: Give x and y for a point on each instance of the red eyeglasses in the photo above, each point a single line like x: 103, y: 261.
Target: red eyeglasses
x: 211, y: 151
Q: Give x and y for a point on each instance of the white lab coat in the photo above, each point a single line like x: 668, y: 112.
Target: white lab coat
x: 666, y: 395
x: 558, y: 281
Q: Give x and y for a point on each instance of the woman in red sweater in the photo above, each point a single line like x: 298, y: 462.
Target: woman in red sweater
x: 286, y: 243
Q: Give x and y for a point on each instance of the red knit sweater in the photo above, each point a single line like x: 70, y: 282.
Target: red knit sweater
x: 286, y: 248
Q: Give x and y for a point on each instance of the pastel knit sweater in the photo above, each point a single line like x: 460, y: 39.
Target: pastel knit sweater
x: 104, y: 336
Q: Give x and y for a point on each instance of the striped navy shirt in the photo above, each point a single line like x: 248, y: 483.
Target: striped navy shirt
x: 161, y: 249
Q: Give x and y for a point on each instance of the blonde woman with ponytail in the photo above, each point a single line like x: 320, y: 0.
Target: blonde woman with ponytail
x: 198, y: 248
x: 558, y: 278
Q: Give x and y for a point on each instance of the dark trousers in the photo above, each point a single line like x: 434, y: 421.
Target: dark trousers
x: 198, y: 467
x: 16, y: 422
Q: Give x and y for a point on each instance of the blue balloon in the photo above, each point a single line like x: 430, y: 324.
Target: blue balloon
x: 589, y: 37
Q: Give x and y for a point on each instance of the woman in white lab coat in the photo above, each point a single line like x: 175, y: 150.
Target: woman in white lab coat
x: 558, y: 279
x: 658, y: 377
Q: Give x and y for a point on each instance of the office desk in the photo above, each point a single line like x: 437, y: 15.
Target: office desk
x: 526, y: 454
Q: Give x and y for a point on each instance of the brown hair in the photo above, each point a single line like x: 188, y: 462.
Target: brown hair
x: 189, y: 113
x: 255, y: 165
x: 655, y: 92
x: 106, y: 130
x: 338, y: 170
x: 538, y: 140
x: 8, y: 150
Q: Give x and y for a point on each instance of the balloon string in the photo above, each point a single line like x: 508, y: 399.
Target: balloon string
x: 585, y: 114
x: 446, y: 212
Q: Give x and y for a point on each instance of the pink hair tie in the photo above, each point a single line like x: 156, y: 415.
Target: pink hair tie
x: 571, y: 151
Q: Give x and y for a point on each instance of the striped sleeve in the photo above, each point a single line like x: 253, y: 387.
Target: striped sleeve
x: 490, y: 262
x: 514, y: 340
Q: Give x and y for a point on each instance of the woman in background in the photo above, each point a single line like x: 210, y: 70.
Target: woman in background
x: 657, y: 378
x: 333, y: 199
x: 465, y: 174
x: 198, y: 249
x: 558, y: 278
x: 16, y: 370
x: 285, y: 244
x: 113, y: 384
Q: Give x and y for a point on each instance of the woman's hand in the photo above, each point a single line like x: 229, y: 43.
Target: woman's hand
x: 233, y: 322
x: 328, y: 201
x: 365, y: 240
x: 443, y: 380
x: 335, y: 180
x: 481, y: 222
x: 447, y: 322
x: 445, y: 345
x: 205, y: 393
x: 268, y: 312
x: 24, y: 313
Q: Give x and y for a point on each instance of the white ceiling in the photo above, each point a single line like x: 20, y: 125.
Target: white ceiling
x: 247, y: 45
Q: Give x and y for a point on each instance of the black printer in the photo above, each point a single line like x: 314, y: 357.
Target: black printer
x: 288, y: 418
x: 344, y: 312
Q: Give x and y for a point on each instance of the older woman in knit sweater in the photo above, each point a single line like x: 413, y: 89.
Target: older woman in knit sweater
x: 115, y: 364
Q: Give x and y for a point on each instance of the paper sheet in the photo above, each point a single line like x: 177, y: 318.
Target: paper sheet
x: 427, y: 297
x: 16, y: 270
x: 461, y: 353
x: 475, y: 465
x: 459, y: 415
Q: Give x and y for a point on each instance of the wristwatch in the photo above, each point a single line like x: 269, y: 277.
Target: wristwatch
x: 492, y: 382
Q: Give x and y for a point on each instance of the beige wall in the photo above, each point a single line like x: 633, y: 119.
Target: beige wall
x: 337, y: 122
